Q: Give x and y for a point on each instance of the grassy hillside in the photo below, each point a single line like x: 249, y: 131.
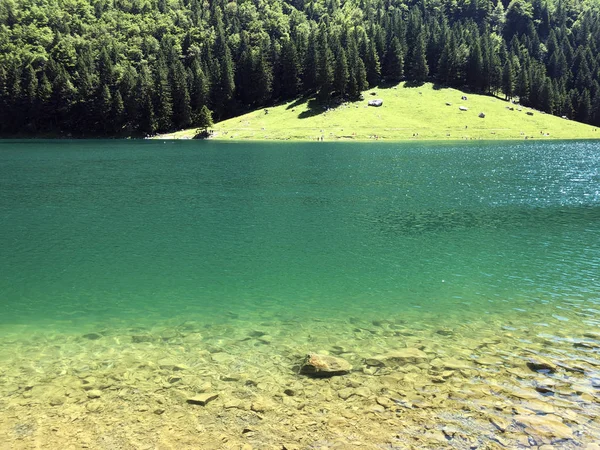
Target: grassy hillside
x: 407, y: 113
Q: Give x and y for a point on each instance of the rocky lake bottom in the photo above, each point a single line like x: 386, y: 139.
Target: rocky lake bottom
x: 417, y: 381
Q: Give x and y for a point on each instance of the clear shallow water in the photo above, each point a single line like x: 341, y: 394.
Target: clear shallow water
x: 135, y: 274
x: 140, y: 230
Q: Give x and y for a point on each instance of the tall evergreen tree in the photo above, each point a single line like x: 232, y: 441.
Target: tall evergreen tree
x: 163, y: 103
x: 325, y: 67
x: 341, y: 73
x: 475, y: 67
x: 508, y: 79
x: 310, y: 73
x: 262, y: 78
x: 372, y: 64
x: 393, y: 67
x: 419, y: 70
x: 145, y: 117
x: 290, y: 69
x: 182, y: 111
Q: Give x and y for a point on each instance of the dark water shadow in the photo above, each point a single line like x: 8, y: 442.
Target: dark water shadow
x: 435, y: 221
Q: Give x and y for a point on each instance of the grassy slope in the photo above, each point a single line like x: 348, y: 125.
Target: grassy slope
x: 407, y: 113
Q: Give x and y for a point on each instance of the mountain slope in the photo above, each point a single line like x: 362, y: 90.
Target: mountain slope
x: 407, y: 113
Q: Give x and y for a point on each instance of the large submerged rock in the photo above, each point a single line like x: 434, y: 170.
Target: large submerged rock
x: 316, y: 365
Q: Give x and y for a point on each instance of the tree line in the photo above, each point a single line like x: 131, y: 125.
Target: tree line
x: 138, y: 67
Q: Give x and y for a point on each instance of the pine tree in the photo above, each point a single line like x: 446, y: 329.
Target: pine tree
x: 118, y: 112
x: 290, y: 70
x: 419, y: 70
x: 414, y: 36
x: 163, y: 104
x: 357, y: 73
x: 105, y: 110
x: 393, y: 67
x: 508, y: 79
x: 341, y: 74
x: 262, y: 78
x: 475, y: 67
x: 448, y: 64
x: 549, y: 97
x: 373, y: 65
x: 310, y: 73
x: 29, y: 88
x: 182, y: 112
x: 224, y: 86
x: 243, y: 76
x: 44, y: 94
x: 4, y: 101
x: 62, y: 98
x: 144, y: 111
x: 584, y: 106
x: 204, y: 120
x: 200, y: 88
x: 324, y: 65
x: 522, y: 87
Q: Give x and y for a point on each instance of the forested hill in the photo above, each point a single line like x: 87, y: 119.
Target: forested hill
x: 137, y: 67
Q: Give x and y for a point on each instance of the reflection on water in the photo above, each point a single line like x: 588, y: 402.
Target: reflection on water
x: 460, y: 281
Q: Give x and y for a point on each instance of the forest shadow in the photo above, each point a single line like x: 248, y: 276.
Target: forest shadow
x: 413, y: 84
x: 315, y: 107
x: 299, y: 101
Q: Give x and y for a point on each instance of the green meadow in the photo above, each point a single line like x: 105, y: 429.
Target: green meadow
x: 408, y: 113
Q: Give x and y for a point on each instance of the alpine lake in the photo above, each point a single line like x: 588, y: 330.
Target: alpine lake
x: 165, y: 294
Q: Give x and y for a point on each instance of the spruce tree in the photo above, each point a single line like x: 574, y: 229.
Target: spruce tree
x: 224, y: 86
x: 262, y: 78
x: 182, y: 112
x: 4, y: 101
x: 584, y: 106
x: 419, y: 70
x: 163, y: 103
x: 290, y: 70
x: 204, y: 120
x: 104, y: 110
x: 325, y: 67
x: 118, y: 112
x: 310, y: 72
x: 522, y: 87
x: 341, y: 74
x: 199, y: 95
x: 373, y: 65
x: 144, y: 111
x: 393, y: 67
x: 475, y: 67
x: 508, y: 79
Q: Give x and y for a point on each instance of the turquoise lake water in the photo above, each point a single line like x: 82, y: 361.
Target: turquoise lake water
x: 97, y: 231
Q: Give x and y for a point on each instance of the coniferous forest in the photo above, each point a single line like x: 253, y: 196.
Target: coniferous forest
x: 138, y: 67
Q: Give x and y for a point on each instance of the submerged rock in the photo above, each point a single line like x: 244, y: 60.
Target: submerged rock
x: 202, y: 399
x: 94, y: 393
x: 548, y: 425
x: 141, y: 338
x: 92, y: 336
x: 539, y: 364
x: 324, y: 366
